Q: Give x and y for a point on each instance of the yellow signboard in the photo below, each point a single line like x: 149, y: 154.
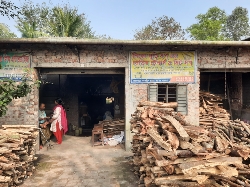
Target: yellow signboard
x: 162, y: 67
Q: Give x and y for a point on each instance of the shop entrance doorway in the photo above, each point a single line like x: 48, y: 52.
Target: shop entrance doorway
x: 87, y: 96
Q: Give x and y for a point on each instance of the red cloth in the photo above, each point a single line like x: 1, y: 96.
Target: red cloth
x: 58, y: 134
x: 64, y: 120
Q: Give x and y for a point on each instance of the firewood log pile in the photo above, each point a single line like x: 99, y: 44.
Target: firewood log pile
x: 111, y: 128
x: 17, y: 150
x: 169, y: 151
x: 214, y: 118
x: 211, y: 110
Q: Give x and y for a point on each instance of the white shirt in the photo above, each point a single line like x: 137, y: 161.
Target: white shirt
x: 57, y: 118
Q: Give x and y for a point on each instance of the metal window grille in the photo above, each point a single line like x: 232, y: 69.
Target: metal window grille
x: 169, y: 93
x: 166, y: 93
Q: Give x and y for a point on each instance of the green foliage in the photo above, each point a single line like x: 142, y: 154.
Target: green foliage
x: 237, y: 24
x: 5, y: 32
x: 66, y: 22
x: 103, y: 37
x: 10, y: 90
x: 41, y: 20
x: 30, y: 30
x: 33, y: 20
x: 209, y: 26
x: 7, y: 8
x: 163, y: 28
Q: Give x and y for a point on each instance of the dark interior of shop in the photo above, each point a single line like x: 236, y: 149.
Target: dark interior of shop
x: 213, y: 82
x: 237, y: 86
x: 86, y: 97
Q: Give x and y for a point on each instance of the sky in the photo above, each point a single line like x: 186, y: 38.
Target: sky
x: 120, y: 18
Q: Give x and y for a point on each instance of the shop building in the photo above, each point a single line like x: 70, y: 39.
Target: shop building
x: 93, y: 76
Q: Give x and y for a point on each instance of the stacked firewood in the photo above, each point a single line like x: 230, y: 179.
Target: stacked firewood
x: 111, y: 128
x: 211, y: 109
x: 214, y: 117
x: 169, y: 151
x: 17, y: 150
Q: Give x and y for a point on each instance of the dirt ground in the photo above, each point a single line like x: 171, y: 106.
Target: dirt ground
x: 75, y: 163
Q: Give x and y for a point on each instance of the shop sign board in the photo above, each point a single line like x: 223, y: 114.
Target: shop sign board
x: 162, y: 67
x: 13, y: 65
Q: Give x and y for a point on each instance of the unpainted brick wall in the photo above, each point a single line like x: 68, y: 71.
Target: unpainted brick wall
x: 224, y: 58
x: 66, y: 57
x: 23, y: 111
x: 193, y: 101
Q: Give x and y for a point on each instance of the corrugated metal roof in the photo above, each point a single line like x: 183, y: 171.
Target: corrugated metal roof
x: 58, y: 40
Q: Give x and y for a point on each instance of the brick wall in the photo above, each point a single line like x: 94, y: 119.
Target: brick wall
x: 99, y: 56
x: 225, y: 57
x: 64, y: 56
x: 23, y: 111
x: 193, y: 101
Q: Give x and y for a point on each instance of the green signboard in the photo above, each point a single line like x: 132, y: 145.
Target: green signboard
x: 13, y: 65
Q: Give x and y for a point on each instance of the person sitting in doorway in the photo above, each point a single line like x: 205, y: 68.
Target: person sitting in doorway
x: 108, y: 116
x: 43, y: 124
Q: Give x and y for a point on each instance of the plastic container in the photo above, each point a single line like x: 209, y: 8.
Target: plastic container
x: 80, y: 131
x: 77, y: 132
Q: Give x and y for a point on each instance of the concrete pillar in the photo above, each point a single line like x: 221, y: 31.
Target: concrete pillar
x: 128, y: 110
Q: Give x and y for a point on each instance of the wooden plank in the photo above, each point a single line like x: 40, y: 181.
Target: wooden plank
x: 165, y: 180
x: 20, y: 126
x: 157, y: 138
x: 183, y: 134
x: 224, y: 161
x: 162, y: 163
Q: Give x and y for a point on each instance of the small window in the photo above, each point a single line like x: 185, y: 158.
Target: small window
x: 169, y: 93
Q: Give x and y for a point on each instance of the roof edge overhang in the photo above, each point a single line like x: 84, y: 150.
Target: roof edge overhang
x: 74, y: 41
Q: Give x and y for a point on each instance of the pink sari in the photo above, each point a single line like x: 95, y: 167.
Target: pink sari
x: 64, y: 120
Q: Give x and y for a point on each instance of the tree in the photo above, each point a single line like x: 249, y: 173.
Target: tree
x: 66, y: 22
x: 33, y: 20
x: 10, y: 90
x: 5, y: 32
x: 59, y: 21
x: 7, y: 8
x: 163, y: 28
x: 103, y: 37
x: 209, y: 26
x: 237, y: 24
x: 30, y: 30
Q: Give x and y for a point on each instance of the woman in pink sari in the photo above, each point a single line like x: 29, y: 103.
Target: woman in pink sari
x: 59, y: 125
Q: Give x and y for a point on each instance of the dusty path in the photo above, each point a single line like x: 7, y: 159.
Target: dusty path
x: 75, y: 163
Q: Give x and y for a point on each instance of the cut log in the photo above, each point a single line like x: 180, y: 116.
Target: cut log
x: 5, y: 179
x: 158, y: 104
x: 245, y: 127
x: 188, y: 167
x: 172, y: 139
x: 165, y: 180
x: 181, y: 131
x: 157, y: 138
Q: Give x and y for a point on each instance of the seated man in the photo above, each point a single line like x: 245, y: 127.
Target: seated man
x: 108, y: 116
x: 43, y: 124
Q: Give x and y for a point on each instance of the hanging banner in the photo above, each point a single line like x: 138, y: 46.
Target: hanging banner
x: 162, y: 67
x: 13, y: 65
